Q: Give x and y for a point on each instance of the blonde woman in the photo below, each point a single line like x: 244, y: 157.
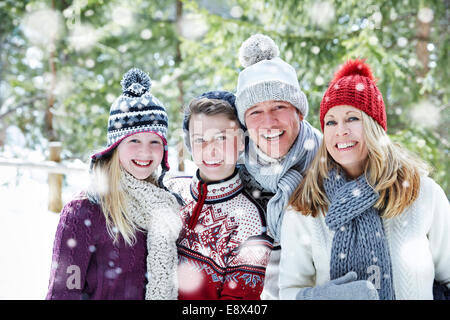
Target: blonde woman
x: 113, y: 237
x: 366, y: 222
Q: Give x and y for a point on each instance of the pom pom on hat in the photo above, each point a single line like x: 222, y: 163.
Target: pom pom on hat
x: 354, y: 85
x: 136, y: 76
x: 354, y: 67
x: 135, y: 110
x: 257, y: 48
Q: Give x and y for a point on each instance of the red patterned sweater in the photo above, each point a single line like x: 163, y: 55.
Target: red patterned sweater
x: 223, y: 248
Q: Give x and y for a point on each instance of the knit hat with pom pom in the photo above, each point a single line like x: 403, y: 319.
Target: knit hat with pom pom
x: 354, y: 85
x: 135, y: 111
x: 266, y: 77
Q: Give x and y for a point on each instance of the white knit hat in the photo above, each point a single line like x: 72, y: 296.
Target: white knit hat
x: 266, y: 77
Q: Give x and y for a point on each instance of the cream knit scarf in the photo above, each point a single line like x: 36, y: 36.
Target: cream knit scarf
x: 156, y: 211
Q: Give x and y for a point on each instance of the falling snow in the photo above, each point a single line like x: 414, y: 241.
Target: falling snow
x: 425, y: 15
x: 321, y: 13
x: 309, y: 144
x: 425, y: 114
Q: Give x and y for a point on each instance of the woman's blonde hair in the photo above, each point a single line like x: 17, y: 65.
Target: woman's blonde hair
x: 390, y: 169
x: 106, y: 186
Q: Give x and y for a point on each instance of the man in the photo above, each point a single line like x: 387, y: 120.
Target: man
x: 281, y: 143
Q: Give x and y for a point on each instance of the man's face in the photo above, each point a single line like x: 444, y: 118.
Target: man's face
x: 273, y: 126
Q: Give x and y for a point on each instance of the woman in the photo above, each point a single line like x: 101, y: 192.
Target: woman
x: 366, y: 222
x: 123, y: 231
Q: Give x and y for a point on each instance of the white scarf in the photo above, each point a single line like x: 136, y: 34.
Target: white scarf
x: 156, y: 211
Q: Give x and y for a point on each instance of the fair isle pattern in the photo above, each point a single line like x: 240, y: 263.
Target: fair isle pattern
x: 223, y: 224
x: 136, y: 114
x: 198, y: 263
x: 136, y: 110
x: 230, y: 238
x: 218, y: 192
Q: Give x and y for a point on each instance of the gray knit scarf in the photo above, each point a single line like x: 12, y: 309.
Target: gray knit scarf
x: 157, y: 212
x: 359, y: 243
x: 282, y: 177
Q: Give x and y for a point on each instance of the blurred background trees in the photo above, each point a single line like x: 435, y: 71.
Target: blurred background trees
x: 61, y: 62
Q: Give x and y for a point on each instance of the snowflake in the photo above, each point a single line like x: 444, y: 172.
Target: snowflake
x: 309, y: 144
x: 315, y: 50
x: 319, y: 81
x: 236, y: 12
x: 83, y: 37
x: 425, y: 15
x: 43, y: 26
x: 189, y: 278
x: 322, y: 13
x: 193, y: 26
x: 402, y: 42
x: 232, y: 284
x: 425, y: 114
x: 356, y: 192
x: 360, y: 86
x: 122, y: 16
x: 146, y: 34
x: 71, y: 243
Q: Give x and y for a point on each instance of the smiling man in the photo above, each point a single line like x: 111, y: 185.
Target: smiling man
x: 281, y: 144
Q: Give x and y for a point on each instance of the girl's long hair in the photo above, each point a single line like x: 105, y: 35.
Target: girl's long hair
x: 390, y: 169
x: 107, y: 188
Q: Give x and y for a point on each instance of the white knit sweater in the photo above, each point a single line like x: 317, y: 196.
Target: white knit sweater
x: 419, y: 244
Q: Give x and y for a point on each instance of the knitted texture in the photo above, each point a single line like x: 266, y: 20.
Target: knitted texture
x: 266, y: 77
x: 257, y: 48
x: 359, y: 242
x: 156, y: 211
x: 282, y: 177
x: 353, y: 85
x: 270, y: 90
x: 86, y: 264
x: 135, y: 111
x: 225, y: 254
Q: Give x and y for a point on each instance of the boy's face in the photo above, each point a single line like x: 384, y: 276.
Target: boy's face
x: 216, y: 142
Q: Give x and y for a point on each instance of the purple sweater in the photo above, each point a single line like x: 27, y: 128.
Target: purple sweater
x: 87, y: 265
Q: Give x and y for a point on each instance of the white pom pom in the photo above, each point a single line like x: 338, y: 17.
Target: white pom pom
x: 257, y: 48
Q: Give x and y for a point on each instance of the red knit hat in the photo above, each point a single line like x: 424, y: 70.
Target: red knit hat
x: 354, y: 85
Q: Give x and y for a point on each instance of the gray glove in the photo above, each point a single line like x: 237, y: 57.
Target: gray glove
x: 343, y: 288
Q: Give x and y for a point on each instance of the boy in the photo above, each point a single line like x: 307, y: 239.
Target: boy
x: 223, y: 247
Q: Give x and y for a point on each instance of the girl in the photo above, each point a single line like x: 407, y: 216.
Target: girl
x: 125, y: 226
x: 366, y: 222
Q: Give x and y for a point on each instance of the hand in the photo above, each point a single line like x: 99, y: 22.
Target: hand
x: 343, y: 288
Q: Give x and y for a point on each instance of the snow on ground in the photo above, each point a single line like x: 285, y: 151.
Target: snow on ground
x: 27, y: 229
